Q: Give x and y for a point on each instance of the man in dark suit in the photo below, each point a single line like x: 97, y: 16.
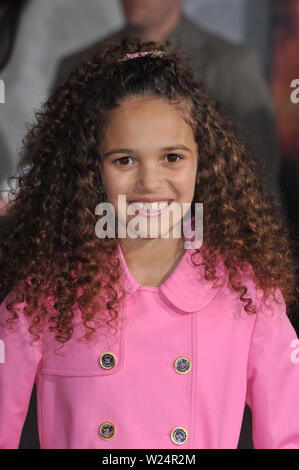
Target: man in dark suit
x: 232, y: 72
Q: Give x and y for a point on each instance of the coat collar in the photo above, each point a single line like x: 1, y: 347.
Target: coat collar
x: 193, y: 39
x: 185, y: 31
x: 186, y: 287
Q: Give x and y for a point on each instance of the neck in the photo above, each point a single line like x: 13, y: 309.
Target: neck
x: 152, y: 252
x: 159, y: 32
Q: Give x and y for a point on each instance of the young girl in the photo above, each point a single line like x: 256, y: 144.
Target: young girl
x: 138, y: 341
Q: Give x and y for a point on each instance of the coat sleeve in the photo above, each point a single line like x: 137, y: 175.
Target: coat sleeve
x: 19, y: 361
x: 273, y: 378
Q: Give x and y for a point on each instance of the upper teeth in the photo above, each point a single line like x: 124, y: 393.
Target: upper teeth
x: 150, y: 205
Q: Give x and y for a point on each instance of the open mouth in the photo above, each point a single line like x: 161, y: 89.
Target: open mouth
x: 151, y: 210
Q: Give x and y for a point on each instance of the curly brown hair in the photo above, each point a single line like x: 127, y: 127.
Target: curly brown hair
x: 49, y: 249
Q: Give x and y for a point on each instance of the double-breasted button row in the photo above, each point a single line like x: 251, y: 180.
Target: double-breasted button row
x: 178, y: 435
x: 182, y: 364
x: 107, y: 430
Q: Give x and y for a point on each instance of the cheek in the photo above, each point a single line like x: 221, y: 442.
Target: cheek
x: 115, y: 184
x: 185, y: 182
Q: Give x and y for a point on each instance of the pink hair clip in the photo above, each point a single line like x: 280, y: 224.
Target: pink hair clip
x: 152, y: 53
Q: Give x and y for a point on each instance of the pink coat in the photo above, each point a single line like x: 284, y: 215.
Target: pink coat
x: 177, y: 374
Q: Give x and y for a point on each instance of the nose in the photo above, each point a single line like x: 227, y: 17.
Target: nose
x: 149, y: 178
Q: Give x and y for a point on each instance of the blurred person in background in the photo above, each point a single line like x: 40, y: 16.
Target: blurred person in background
x: 10, y: 13
x: 285, y: 91
x: 232, y: 72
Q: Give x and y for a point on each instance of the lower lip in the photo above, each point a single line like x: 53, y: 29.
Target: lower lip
x: 149, y: 213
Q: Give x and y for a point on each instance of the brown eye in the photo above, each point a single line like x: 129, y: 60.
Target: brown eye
x: 173, y: 155
x: 124, y: 161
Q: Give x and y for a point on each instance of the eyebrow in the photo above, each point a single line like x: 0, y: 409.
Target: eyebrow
x: 164, y: 149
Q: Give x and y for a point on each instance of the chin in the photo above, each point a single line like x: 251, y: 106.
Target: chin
x: 135, y: 21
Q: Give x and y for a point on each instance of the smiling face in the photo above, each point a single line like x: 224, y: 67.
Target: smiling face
x: 149, y: 152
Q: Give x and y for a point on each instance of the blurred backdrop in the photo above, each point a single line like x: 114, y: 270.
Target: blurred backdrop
x: 44, y: 32
x: 36, y: 34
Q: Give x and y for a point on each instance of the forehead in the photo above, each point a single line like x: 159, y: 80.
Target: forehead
x: 141, y: 119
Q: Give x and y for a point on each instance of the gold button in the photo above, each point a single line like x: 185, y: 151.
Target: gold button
x: 179, y: 435
x: 107, y: 360
x: 182, y: 365
x: 107, y: 430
